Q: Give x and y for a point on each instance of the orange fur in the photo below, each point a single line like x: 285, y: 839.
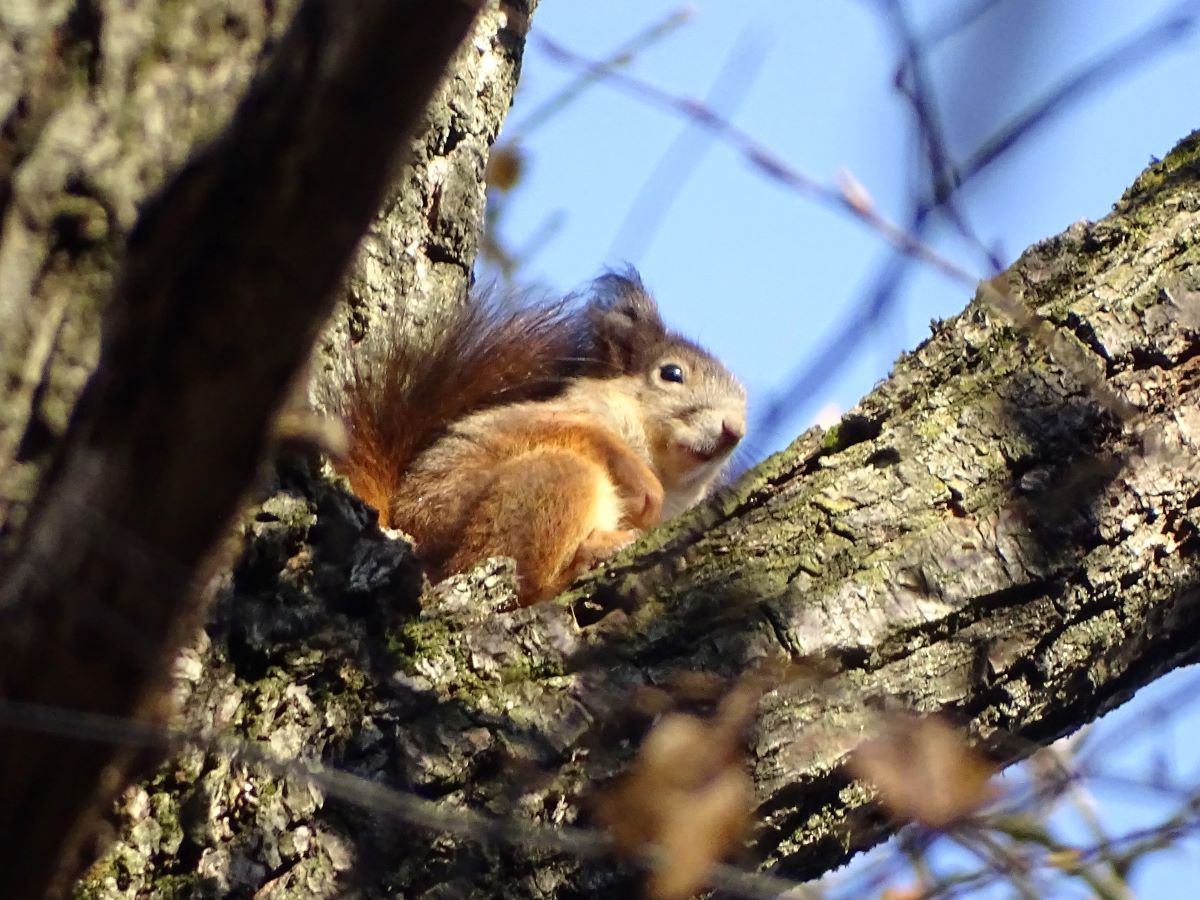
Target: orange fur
x: 536, y: 492
x: 402, y: 396
x: 551, y: 434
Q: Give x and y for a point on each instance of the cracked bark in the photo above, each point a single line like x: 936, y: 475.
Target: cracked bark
x: 981, y: 536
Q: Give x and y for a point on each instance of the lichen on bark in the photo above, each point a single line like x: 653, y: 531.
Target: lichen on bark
x: 983, y: 538
x: 103, y: 101
x: 206, y: 326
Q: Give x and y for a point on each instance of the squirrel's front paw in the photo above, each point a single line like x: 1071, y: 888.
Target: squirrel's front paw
x: 652, y: 505
x: 641, y: 501
x: 599, y: 545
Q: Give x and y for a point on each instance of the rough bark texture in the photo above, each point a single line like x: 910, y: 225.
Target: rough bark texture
x: 983, y: 535
x: 1003, y: 531
x: 417, y: 255
x: 99, y: 102
x: 224, y: 280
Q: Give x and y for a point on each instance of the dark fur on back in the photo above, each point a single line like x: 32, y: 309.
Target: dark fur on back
x: 404, y: 397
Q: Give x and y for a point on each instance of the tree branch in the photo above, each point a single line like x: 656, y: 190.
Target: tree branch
x: 228, y: 275
x: 988, y: 535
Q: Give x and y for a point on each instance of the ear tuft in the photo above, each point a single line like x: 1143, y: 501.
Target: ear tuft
x: 623, y: 319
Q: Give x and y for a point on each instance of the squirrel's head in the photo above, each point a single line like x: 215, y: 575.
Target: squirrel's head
x: 693, y: 408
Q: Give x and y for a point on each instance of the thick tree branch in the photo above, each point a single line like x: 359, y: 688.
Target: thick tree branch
x: 228, y: 275
x: 1003, y: 531
x: 989, y: 535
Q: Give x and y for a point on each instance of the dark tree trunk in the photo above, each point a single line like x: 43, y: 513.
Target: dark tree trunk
x: 210, y: 294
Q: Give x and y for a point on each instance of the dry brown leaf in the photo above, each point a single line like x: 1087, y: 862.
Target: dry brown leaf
x: 697, y: 686
x: 675, y: 761
x: 925, y: 771
x: 650, y: 702
x: 698, y: 832
x: 504, y: 168
x: 687, y: 798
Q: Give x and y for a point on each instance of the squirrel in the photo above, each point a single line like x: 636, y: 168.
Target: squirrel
x: 553, y: 434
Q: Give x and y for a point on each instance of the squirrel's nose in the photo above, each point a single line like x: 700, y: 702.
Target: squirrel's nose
x: 732, y: 431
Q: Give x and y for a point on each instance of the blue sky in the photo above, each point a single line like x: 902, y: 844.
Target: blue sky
x: 761, y: 274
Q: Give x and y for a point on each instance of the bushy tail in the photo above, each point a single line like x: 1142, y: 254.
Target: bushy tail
x: 402, y: 395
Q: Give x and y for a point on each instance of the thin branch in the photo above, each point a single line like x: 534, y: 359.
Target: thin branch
x: 763, y: 159
x: 666, y: 179
x: 370, y: 796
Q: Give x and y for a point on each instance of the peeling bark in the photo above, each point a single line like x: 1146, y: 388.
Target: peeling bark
x: 982, y: 536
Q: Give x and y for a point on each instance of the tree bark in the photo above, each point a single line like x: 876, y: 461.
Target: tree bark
x: 225, y: 278
x: 1004, y: 532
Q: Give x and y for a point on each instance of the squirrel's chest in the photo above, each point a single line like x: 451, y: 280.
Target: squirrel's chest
x: 607, y: 513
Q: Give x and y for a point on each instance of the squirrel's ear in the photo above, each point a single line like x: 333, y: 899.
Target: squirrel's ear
x: 624, y: 318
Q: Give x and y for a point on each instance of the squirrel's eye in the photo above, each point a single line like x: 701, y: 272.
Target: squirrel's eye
x: 671, y: 372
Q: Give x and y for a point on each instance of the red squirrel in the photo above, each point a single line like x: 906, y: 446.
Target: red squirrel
x: 554, y: 435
